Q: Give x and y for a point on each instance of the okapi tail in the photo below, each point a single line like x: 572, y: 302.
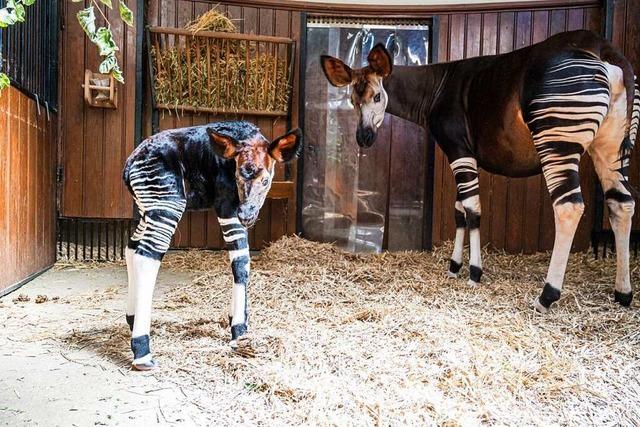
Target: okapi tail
x: 613, y: 56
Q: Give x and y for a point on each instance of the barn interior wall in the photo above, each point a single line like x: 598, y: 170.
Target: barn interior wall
x: 27, y: 187
x: 517, y: 214
x: 277, y: 217
x: 626, y: 37
x: 95, y: 142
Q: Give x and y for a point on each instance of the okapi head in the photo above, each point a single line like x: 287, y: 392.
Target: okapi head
x: 255, y: 159
x: 368, y: 95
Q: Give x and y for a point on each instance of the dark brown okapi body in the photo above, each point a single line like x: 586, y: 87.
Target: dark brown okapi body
x: 536, y: 109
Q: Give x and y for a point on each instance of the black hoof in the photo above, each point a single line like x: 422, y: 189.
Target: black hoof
x: 475, y: 273
x: 548, y: 296
x: 623, y: 299
x: 454, y: 268
x: 130, y: 321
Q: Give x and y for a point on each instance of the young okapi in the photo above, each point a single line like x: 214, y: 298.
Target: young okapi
x: 227, y: 166
x: 537, y: 109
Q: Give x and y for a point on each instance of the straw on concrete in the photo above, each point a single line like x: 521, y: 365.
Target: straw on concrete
x: 387, y: 339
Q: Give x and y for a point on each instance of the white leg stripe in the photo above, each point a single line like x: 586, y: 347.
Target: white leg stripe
x: 228, y: 221
x: 238, y: 253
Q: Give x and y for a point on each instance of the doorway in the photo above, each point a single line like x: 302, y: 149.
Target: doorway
x: 365, y: 200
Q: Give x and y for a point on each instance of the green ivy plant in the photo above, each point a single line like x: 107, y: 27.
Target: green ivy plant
x: 102, y: 37
x: 11, y: 14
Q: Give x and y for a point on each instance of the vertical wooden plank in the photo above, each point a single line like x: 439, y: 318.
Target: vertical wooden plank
x: 72, y: 113
x: 457, y: 41
x: 32, y: 170
x: 438, y: 163
x: 115, y: 121
x: 516, y: 199
x: 94, y: 142
x: 128, y: 112
x: 42, y: 197
x: 558, y: 21
x: 17, y: 165
x: 500, y: 184
x: 4, y: 185
x: 489, y: 35
x: 575, y: 19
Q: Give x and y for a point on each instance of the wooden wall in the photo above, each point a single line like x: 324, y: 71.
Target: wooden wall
x: 95, y: 142
x: 277, y: 217
x: 27, y: 187
x: 516, y: 212
x: 626, y: 36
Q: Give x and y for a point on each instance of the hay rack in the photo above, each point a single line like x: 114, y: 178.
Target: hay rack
x: 221, y: 73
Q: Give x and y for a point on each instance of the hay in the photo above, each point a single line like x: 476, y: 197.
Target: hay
x: 231, y: 75
x: 212, y: 20
x: 349, y: 339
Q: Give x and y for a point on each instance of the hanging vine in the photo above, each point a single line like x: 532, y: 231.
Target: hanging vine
x: 14, y: 12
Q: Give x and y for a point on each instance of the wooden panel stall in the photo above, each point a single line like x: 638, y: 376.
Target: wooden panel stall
x: 95, y: 142
x: 516, y: 212
x: 27, y: 187
x: 200, y: 229
x: 625, y: 34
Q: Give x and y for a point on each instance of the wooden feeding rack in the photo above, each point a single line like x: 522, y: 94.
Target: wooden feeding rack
x: 221, y: 73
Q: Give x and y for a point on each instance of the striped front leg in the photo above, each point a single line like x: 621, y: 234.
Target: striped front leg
x: 467, y: 209
x: 237, y: 243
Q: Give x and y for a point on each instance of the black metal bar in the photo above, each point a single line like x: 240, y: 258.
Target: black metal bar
x: 30, y: 52
x: 430, y: 152
x: 155, y: 121
x: 139, y: 80
x: 301, y: 118
x: 75, y: 230
x: 91, y: 237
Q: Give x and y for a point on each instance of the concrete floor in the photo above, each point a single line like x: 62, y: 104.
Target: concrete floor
x: 45, y: 382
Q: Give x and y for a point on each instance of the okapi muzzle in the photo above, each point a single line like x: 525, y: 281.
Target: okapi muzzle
x: 368, y: 95
x: 365, y: 136
x: 255, y: 163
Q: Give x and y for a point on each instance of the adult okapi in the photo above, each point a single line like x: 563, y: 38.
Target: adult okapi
x: 537, y: 109
x: 227, y: 166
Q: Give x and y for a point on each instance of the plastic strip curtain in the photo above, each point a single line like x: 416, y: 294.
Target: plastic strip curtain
x: 348, y: 191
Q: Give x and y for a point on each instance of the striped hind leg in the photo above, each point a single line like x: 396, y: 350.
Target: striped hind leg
x: 467, y: 211
x: 611, y: 153
x: 566, y: 107
x: 159, y: 195
x: 564, y: 113
x: 236, y: 240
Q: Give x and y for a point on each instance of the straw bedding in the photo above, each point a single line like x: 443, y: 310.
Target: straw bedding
x: 386, y: 339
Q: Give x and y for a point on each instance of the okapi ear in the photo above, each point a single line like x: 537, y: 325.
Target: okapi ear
x: 287, y: 147
x: 222, y: 145
x: 337, y: 72
x: 380, y: 60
